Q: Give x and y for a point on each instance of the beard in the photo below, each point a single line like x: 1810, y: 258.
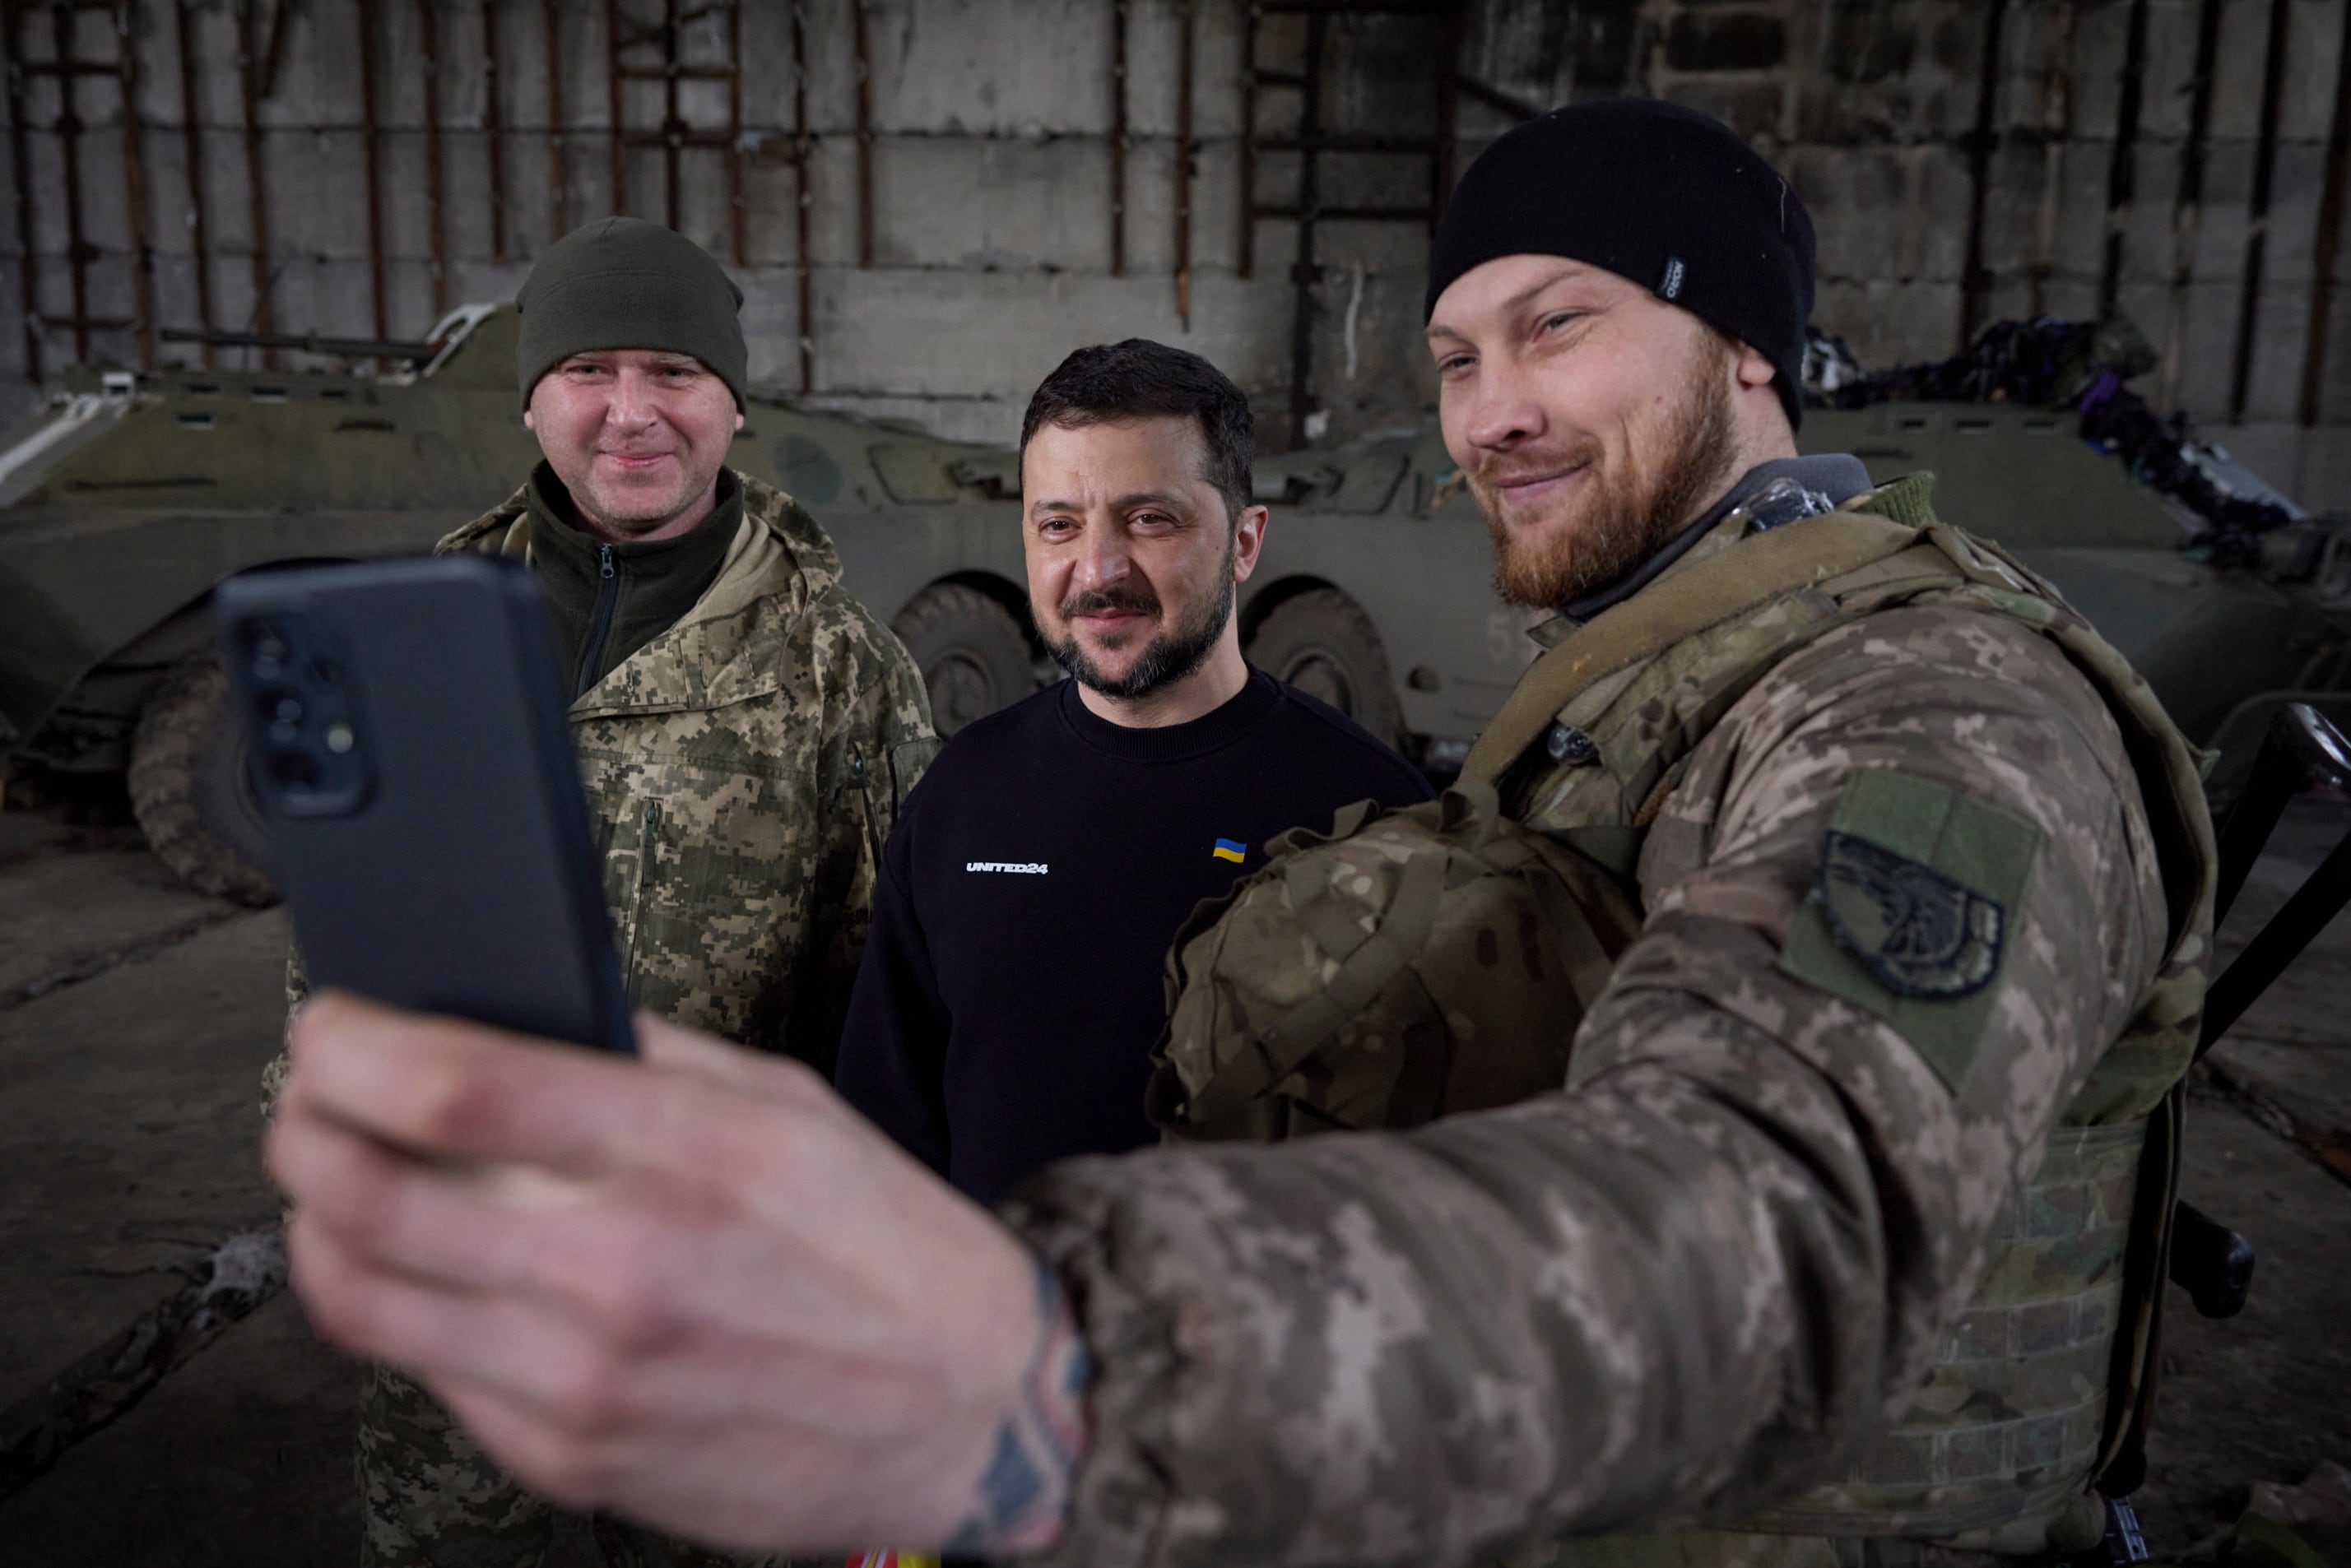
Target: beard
x: 1629, y: 513
x: 1173, y: 653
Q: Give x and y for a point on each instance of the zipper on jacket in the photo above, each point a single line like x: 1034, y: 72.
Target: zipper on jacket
x: 600, y: 625
x: 648, y: 835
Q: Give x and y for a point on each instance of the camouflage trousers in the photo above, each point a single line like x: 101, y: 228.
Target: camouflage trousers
x: 430, y: 1498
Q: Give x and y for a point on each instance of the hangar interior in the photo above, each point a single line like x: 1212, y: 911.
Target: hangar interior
x: 928, y: 200
x: 927, y: 204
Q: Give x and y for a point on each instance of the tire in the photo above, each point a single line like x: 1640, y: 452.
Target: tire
x: 189, y: 790
x: 970, y: 650
x: 1323, y: 643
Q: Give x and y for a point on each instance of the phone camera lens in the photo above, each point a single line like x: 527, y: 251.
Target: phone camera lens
x: 266, y: 649
x: 282, y: 711
x: 293, y: 769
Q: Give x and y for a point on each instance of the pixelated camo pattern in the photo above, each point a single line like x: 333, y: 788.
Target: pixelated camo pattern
x: 1615, y: 1324
x: 742, y: 771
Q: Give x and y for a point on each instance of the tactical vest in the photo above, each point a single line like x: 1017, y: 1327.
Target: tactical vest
x: 1400, y: 968
x: 2038, y: 1392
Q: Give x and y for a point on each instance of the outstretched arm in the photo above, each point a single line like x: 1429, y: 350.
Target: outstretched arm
x: 695, y: 1289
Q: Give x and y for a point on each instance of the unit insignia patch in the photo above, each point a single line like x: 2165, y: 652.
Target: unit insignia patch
x: 1921, y: 933
x: 1913, y: 909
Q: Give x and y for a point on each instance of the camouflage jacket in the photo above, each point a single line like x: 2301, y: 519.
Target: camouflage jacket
x: 1683, y: 1290
x: 743, y: 770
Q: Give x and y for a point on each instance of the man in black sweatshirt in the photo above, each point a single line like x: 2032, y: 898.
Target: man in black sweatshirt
x: 1011, y: 987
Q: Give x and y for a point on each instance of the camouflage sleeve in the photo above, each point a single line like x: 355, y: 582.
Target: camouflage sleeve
x: 1678, y: 1290
x: 297, y: 987
x: 877, y: 743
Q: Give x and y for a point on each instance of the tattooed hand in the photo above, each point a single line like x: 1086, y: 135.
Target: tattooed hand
x: 695, y: 1289
x: 1025, y: 1490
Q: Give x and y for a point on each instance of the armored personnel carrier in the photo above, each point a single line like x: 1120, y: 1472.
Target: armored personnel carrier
x: 126, y: 500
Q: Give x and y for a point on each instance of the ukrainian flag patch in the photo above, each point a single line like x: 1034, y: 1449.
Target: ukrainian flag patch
x: 1226, y: 849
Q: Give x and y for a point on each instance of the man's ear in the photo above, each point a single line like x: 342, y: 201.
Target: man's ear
x: 531, y: 421
x: 738, y: 416
x: 1249, y: 539
x: 1752, y: 369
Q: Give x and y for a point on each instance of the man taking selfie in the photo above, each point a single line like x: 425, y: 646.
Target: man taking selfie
x: 1012, y: 986
x: 745, y: 730
x: 1839, y: 1242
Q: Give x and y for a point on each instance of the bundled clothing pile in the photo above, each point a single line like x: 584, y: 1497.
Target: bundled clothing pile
x: 2074, y: 365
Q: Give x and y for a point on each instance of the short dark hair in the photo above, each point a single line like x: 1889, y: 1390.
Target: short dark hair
x: 1140, y: 379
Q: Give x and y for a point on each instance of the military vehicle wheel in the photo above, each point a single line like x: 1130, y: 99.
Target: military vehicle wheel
x: 1323, y: 643
x: 189, y: 789
x: 970, y: 651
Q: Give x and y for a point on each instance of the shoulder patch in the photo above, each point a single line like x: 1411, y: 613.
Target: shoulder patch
x: 1915, y: 929
x: 1910, y: 912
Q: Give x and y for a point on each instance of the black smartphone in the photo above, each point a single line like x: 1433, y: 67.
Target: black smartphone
x: 408, y: 751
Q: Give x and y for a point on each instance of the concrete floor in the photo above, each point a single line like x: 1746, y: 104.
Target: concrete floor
x: 135, y: 1018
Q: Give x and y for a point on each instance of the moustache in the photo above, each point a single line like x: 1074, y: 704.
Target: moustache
x: 1099, y: 603
x: 1496, y: 475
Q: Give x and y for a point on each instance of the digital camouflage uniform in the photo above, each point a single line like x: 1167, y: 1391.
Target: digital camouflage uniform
x: 742, y: 770
x: 1820, y: 1258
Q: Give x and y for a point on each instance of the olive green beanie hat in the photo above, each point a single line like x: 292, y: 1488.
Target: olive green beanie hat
x: 623, y: 282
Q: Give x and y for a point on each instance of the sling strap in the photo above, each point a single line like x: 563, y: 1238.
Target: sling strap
x: 1753, y: 572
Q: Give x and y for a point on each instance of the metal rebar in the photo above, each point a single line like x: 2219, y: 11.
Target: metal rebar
x: 68, y: 134
x: 801, y: 147
x: 737, y: 213
x: 1328, y: 213
x: 134, y: 180
x: 21, y: 160
x: 191, y: 146
x: 1303, y: 271
x: 2326, y: 245
x: 2122, y: 169
x: 493, y: 133
x: 1184, y: 155
x: 262, y: 317
x: 371, y: 154
x: 2056, y: 129
x: 436, y: 214
x: 1245, y: 262
x: 1449, y: 78
x: 2187, y: 205
x: 2257, y: 217
x: 1975, y: 280
x: 1348, y: 141
x: 613, y: 84
x: 673, y: 121
x: 559, y: 205
x: 1118, y: 139
x: 864, y: 134
x: 273, y: 54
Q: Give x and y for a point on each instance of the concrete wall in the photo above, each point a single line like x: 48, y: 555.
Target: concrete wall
x: 991, y: 157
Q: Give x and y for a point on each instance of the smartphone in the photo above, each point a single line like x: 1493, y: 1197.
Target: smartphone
x: 408, y: 748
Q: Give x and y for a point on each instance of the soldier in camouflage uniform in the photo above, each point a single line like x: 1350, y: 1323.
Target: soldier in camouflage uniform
x: 1839, y: 1246
x: 745, y: 731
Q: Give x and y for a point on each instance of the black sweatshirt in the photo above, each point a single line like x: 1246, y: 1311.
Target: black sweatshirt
x: 1012, y: 986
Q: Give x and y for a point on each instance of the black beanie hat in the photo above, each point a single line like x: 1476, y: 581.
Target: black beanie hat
x: 623, y: 282
x: 1666, y: 197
